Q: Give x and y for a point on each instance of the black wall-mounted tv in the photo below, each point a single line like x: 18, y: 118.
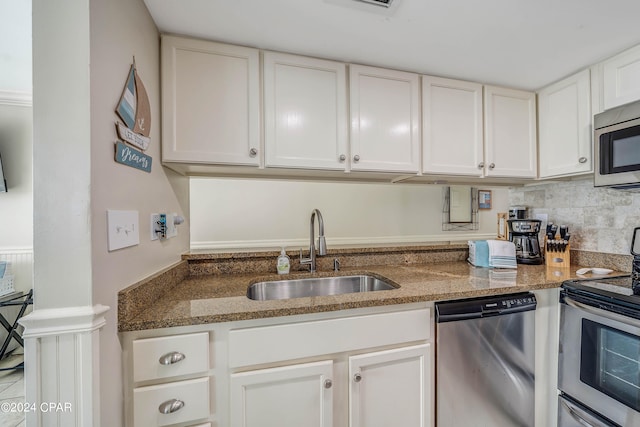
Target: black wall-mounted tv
x: 3, y: 182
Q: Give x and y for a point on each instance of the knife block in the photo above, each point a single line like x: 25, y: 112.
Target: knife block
x: 557, y: 258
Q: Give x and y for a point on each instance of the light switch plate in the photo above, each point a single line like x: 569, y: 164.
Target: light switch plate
x: 122, y: 229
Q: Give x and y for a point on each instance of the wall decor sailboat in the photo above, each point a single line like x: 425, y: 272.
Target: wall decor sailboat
x: 135, y: 111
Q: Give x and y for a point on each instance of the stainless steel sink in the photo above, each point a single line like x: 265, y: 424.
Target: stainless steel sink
x: 316, y: 286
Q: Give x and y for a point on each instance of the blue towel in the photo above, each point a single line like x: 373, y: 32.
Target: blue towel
x: 479, y: 253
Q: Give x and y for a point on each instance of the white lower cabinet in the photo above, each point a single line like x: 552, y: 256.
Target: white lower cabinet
x: 367, y: 367
x: 391, y: 388
x: 287, y: 396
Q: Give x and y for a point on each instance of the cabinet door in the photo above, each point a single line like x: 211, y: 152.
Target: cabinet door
x: 452, y: 127
x: 288, y: 396
x: 391, y: 388
x: 510, y: 132
x: 305, y: 105
x: 564, y: 110
x: 210, y: 102
x: 621, y: 78
x: 385, y: 119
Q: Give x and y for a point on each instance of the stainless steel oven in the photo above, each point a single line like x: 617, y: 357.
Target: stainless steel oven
x: 599, y: 359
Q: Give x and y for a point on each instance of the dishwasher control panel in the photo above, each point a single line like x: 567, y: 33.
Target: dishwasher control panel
x: 471, y: 308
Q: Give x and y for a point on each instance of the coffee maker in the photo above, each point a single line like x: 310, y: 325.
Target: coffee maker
x: 524, y: 234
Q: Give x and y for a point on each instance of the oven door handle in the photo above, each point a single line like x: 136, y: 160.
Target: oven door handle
x: 603, y: 313
x: 580, y: 416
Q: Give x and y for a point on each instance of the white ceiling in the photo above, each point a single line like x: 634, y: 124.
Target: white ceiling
x: 515, y: 43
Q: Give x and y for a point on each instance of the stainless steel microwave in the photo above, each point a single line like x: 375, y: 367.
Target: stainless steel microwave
x: 616, y: 141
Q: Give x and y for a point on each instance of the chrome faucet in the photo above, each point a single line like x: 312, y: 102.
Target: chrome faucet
x: 322, y: 245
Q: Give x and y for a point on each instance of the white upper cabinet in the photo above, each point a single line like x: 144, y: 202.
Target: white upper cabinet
x: 564, y: 114
x: 210, y: 102
x: 452, y: 127
x: 305, y: 114
x: 621, y: 78
x: 510, y: 133
x: 385, y: 120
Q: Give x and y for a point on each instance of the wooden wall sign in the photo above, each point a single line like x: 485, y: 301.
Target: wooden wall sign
x: 132, y: 157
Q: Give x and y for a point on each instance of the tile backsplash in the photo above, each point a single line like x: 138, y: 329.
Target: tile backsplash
x: 599, y: 219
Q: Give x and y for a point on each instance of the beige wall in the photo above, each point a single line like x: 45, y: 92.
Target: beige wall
x: 16, y: 148
x: 120, y: 30
x: 237, y: 213
x: 82, y: 53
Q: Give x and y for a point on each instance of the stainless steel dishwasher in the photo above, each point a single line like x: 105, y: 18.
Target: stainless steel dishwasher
x: 485, y: 361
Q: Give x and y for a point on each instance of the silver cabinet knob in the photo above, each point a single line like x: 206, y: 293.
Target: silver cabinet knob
x: 327, y: 383
x: 582, y: 159
x: 480, y: 165
x: 253, y: 152
x: 171, y: 358
x: 357, y: 377
x: 170, y: 406
x: 342, y: 157
x: 492, y: 165
x: 356, y: 158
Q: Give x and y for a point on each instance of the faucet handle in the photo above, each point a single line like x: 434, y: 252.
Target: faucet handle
x: 336, y: 264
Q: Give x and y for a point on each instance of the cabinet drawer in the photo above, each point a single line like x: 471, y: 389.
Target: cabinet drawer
x: 268, y: 344
x: 190, y: 356
x: 147, y: 402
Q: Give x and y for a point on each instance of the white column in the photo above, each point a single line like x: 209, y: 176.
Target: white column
x: 62, y: 366
x: 62, y: 333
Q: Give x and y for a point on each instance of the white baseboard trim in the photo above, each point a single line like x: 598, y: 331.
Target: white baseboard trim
x: 342, y: 241
x: 20, y: 99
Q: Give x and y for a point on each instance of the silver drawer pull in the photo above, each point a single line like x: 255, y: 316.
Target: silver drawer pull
x: 171, y: 406
x: 357, y: 377
x: 171, y: 358
x: 582, y: 160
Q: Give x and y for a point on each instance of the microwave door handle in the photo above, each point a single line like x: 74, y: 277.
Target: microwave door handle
x: 580, y: 416
x: 603, y: 313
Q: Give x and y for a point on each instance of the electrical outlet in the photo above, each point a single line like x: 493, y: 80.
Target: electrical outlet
x: 155, y: 226
x: 163, y: 226
x: 122, y: 229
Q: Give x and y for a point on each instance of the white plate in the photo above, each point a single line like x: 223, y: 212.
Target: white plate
x: 601, y: 271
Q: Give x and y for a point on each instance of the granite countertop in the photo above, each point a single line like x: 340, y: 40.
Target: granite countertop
x: 203, y: 299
